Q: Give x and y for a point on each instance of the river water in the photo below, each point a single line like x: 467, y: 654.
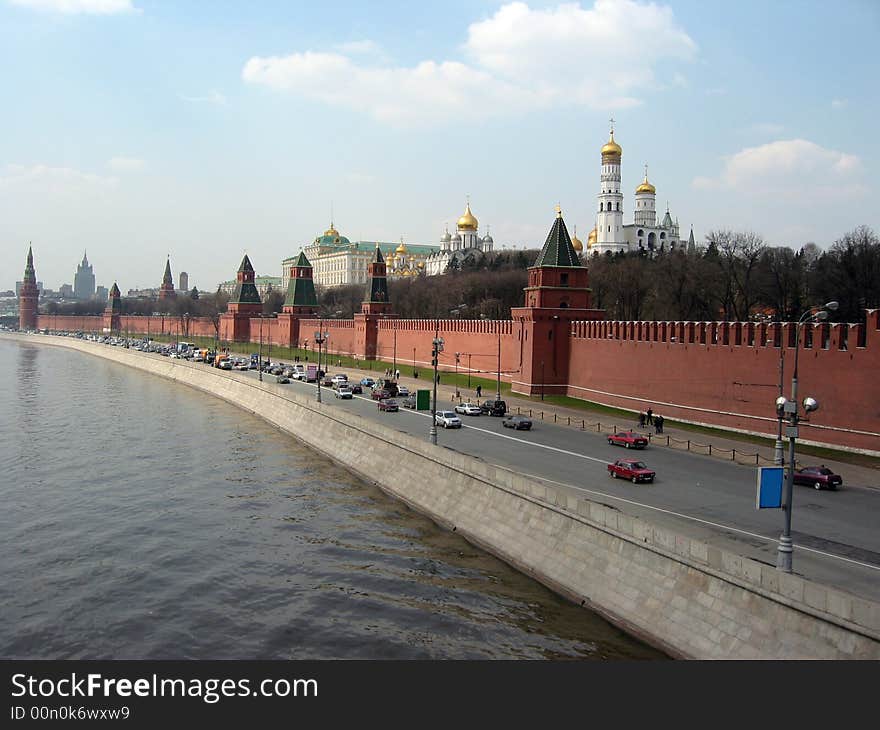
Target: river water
x: 144, y: 520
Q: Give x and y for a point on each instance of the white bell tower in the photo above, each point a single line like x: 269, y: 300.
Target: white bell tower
x: 609, y: 219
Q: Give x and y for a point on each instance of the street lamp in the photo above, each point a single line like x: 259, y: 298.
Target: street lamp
x: 789, y: 409
x: 260, y: 356
x: 320, y: 338
x: 436, y: 349
x: 457, y: 358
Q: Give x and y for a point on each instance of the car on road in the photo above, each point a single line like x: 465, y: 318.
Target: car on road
x: 629, y: 439
x: 520, y: 423
x: 282, y: 379
x: 339, y: 379
x: 327, y: 381
x: 409, y: 401
x: 380, y: 393
x: 402, y: 391
x: 632, y: 469
x: 468, y: 409
x: 368, y: 382
x: 343, y: 391
x: 356, y: 388
x: 447, y: 419
x: 494, y: 407
x: 388, y: 404
x: 818, y: 477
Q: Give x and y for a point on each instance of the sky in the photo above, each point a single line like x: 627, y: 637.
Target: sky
x: 139, y: 129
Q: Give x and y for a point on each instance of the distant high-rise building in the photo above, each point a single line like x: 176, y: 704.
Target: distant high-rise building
x: 101, y: 293
x: 66, y: 291
x: 84, y: 280
x: 184, y: 281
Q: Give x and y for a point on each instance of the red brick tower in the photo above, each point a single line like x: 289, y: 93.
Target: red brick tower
x: 28, y: 296
x: 558, y: 293
x: 301, y: 301
x: 235, y: 324
x: 166, y: 291
x: 376, y: 305
x: 113, y: 311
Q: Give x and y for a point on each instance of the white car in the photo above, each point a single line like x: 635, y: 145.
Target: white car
x: 468, y: 409
x: 447, y: 419
x: 338, y: 380
x: 343, y: 391
x: 402, y: 391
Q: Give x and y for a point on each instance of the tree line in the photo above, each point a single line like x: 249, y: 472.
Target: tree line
x: 734, y: 276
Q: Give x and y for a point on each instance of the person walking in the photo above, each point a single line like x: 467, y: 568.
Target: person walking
x: 658, y: 424
x: 650, y: 417
x: 641, y: 419
x: 397, y: 375
x: 479, y: 391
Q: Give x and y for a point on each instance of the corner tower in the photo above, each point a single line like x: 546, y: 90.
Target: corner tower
x: 113, y: 310
x: 28, y: 296
x: 609, y: 219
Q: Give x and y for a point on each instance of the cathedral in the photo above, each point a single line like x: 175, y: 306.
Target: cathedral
x: 611, y: 234
x: 454, y: 250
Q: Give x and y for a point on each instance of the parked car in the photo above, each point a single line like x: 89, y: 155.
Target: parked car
x: 402, y: 391
x: 368, y: 382
x: 225, y: 364
x: 380, y: 393
x: 629, y: 439
x: 327, y: 381
x: 468, y: 409
x: 409, y: 401
x: 343, y: 391
x: 356, y: 388
x: 447, y: 419
x: 339, y: 379
x: 282, y: 379
x: 818, y: 477
x: 388, y: 404
x: 635, y: 471
x: 494, y: 407
x: 520, y: 423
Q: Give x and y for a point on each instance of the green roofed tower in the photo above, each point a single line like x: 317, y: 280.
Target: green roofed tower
x: 558, y: 249
x: 245, y: 290
x: 301, y: 289
x: 377, y: 290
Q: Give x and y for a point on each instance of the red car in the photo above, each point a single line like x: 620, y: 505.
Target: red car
x: 630, y: 439
x: 380, y: 394
x: 387, y: 404
x: 635, y: 471
x: 818, y: 477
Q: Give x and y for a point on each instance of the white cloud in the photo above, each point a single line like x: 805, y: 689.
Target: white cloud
x: 795, y: 168
x: 215, y: 97
x: 79, y: 7
x: 838, y: 103
x: 53, y: 178
x: 519, y: 58
x: 126, y: 163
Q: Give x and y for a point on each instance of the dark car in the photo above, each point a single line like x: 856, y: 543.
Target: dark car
x: 629, y: 439
x: 494, y: 407
x: 283, y: 379
x: 357, y: 389
x: 388, y: 404
x: 520, y: 423
x: 409, y: 401
x: 818, y: 477
x: 635, y: 471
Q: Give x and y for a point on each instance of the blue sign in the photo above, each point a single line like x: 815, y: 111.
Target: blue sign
x: 770, y: 481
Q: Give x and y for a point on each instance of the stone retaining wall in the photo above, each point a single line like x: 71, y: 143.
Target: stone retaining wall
x: 682, y: 595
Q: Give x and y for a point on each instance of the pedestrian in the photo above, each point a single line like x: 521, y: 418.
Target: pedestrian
x: 650, y: 417
x: 641, y: 419
x: 658, y: 422
x: 479, y: 391
x: 397, y: 375
x: 416, y: 374
x: 438, y: 378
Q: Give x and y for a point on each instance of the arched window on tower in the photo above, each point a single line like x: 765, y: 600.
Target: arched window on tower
x: 618, y: 206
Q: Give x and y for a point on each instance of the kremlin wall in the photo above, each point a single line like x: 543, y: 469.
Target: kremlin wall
x: 723, y: 374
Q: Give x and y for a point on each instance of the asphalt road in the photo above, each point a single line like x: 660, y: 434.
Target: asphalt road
x: 836, y: 535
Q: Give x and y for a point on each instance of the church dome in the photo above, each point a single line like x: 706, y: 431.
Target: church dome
x: 401, y: 248
x: 611, y: 148
x: 446, y: 237
x: 592, y: 238
x: 646, y: 187
x: 576, y: 242
x: 488, y: 239
x: 467, y: 222
x: 331, y: 231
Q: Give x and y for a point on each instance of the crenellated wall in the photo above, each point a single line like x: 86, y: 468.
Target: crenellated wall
x: 714, y: 373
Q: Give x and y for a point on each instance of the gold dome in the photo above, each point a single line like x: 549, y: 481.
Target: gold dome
x: 646, y: 187
x: 576, y: 242
x: 331, y: 231
x: 611, y: 147
x: 421, y: 264
x: 592, y: 238
x: 467, y: 222
x: 401, y: 249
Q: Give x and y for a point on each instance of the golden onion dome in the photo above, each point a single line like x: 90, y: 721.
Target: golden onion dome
x: 467, y: 222
x: 592, y: 238
x: 401, y: 249
x: 576, y: 242
x: 421, y: 264
x: 646, y: 187
x: 331, y: 231
x: 611, y: 147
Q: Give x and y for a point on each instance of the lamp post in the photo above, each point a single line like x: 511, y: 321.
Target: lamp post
x: 542, y: 380
x: 436, y: 349
x: 260, y: 356
x: 414, y: 362
x: 789, y: 409
x: 320, y: 338
x: 498, y: 381
x: 457, y: 358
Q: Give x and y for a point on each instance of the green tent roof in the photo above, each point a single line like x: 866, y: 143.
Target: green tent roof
x: 558, y: 250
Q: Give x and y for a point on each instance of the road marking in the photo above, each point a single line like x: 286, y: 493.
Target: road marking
x: 700, y: 520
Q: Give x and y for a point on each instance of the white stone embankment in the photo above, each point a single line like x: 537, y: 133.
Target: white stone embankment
x: 682, y: 595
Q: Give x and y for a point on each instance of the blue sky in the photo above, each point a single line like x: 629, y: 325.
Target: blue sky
x: 140, y: 128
